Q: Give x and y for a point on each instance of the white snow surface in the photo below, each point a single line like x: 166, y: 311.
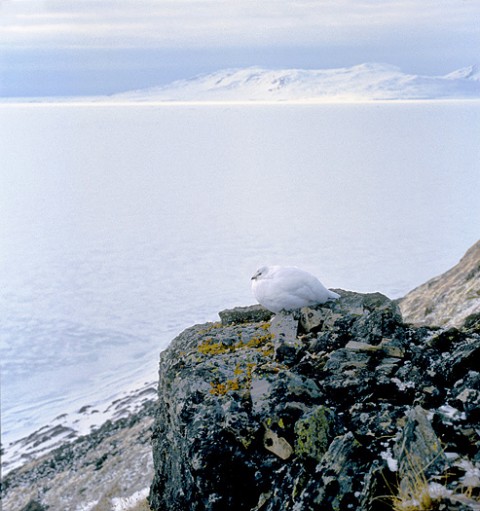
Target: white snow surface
x: 288, y: 287
x: 369, y: 81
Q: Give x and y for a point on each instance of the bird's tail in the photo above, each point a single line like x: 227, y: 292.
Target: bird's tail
x: 332, y: 295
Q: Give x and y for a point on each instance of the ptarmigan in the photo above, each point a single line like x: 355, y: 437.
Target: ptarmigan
x: 287, y: 287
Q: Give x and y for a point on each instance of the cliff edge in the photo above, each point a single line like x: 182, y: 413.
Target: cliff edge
x: 343, y: 407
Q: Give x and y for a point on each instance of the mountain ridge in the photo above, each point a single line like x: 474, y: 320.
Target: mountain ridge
x: 368, y: 81
x: 447, y: 300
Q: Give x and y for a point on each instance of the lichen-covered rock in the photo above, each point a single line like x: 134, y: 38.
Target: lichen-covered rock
x: 250, y: 314
x: 313, y: 433
x: 342, y: 406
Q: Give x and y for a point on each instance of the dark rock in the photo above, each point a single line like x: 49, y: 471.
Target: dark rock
x: 463, y: 359
x: 340, y: 406
x: 337, y: 478
x: 252, y: 313
x: 445, y: 340
x: 472, y: 323
x: 419, y: 450
x: 466, y: 395
x: 33, y: 505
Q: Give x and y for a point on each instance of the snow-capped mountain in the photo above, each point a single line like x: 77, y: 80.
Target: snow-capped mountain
x: 362, y: 82
x: 469, y: 72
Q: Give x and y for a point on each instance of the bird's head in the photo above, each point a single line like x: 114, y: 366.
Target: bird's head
x: 260, y: 273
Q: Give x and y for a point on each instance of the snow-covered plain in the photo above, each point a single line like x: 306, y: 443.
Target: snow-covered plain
x: 121, y: 226
x: 358, y: 83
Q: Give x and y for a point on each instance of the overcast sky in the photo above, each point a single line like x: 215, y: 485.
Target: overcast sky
x: 63, y: 47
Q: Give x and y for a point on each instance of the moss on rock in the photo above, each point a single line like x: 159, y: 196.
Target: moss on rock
x: 312, y: 433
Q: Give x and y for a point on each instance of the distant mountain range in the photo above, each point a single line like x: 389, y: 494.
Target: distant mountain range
x: 357, y: 83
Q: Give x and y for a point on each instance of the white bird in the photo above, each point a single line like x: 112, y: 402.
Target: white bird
x: 288, y: 287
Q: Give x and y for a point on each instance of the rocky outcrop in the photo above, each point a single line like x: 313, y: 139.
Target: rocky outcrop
x: 447, y: 300
x: 344, y: 406
x: 341, y: 407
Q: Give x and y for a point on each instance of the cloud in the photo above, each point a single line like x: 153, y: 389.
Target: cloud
x: 210, y: 23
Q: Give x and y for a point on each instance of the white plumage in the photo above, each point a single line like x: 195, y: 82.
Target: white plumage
x: 287, y: 287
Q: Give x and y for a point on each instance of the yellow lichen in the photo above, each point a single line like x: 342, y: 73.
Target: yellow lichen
x: 238, y: 370
x: 261, y: 344
x: 241, y: 381
x: 256, y: 342
x: 250, y: 368
x: 220, y: 389
x: 242, y: 373
x: 209, y: 347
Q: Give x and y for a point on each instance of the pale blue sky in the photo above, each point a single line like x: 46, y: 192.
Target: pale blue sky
x: 63, y: 47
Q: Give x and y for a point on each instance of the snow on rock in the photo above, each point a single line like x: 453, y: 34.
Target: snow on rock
x: 126, y: 503
x: 68, y: 427
x: 110, y: 469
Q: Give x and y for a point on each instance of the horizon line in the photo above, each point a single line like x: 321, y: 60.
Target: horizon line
x: 75, y: 102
